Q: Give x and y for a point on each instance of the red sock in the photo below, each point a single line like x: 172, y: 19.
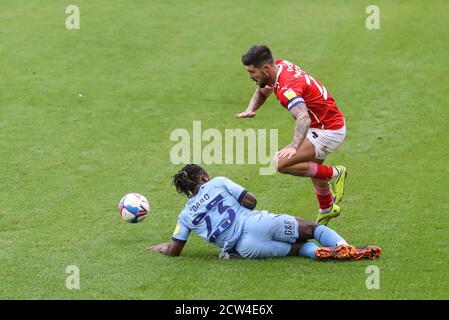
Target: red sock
x: 324, y: 197
x: 319, y: 171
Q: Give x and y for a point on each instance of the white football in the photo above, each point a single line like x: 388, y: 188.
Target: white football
x: 134, y: 207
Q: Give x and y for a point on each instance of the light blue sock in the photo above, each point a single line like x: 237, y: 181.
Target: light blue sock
x: 308, y: 250
x: 327, y: 237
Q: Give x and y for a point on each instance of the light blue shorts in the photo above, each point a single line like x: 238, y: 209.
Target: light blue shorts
x: 267, y: 235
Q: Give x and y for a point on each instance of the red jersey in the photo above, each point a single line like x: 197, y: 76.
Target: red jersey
x: 294, y: 86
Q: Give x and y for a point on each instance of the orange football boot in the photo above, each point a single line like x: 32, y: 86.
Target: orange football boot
x: 348, y: 252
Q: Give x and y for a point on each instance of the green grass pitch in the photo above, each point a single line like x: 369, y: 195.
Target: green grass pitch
x: 86, y: 115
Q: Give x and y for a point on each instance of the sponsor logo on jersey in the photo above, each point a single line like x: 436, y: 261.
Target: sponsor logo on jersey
x: 290, y: 94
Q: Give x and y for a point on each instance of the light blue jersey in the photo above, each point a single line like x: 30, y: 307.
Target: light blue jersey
x: 214, y: 213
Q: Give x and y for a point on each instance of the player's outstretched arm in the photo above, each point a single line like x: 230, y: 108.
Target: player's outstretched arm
x: 257, y: 100
x: 172, y: 249
x: 249, y: 201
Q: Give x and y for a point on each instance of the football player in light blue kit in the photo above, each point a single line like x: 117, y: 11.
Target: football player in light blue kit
x: 222, y: 212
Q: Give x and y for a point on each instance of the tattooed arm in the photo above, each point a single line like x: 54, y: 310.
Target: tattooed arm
x: 302, y: 125
x: 302, y: 118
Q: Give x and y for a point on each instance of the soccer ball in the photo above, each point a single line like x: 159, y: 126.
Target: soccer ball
x: 134, y: 207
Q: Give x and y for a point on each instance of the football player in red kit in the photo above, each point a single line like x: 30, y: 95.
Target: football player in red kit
x: 319, y: 125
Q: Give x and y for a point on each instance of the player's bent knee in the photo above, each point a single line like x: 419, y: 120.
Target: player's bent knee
x: 287, y: 167
x: 282, y: 167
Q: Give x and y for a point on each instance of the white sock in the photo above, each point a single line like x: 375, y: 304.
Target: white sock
x: 334, y: 173
x: 325, y: 210
x: 342, y: 242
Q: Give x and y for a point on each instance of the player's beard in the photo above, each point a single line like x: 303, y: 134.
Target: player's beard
x: 264, y: 80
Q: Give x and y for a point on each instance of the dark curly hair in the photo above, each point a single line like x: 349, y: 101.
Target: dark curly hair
x: 257, y: 55
x: 186, y: 180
